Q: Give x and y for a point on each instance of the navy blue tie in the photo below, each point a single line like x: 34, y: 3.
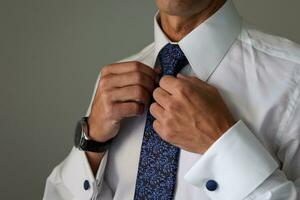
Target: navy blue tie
x: 156, y: 178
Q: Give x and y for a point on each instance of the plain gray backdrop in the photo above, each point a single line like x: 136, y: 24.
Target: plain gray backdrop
x: 50, y: 55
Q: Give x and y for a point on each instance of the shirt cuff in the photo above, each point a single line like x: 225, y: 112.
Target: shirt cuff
x: 77, y: 175
x: 234, y: 166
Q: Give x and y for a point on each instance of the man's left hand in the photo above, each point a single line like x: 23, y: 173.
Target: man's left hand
x: 189, y: 113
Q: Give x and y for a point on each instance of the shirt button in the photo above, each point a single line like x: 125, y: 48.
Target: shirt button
x: 86, y: 185
x: 211, y: 185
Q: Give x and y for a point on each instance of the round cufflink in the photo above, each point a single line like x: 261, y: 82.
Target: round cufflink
x: 211, y: 185
x: 86, y: 185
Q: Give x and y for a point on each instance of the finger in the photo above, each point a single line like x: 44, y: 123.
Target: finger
x: 161, y: 96
x: 127, y: 79
x: 128, y: 109
x: 157, y: 111
x: 157, y: 126
x: 130, y: 93
x: 124, y: 67
x: 168, y: 83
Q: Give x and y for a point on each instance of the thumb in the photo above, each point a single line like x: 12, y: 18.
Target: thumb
x: 181, y: 76
x: 193, y: 80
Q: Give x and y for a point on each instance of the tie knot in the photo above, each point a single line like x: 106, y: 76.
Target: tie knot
x: 171, y: 59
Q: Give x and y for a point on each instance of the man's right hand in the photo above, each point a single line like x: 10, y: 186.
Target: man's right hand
x: 124, y: 90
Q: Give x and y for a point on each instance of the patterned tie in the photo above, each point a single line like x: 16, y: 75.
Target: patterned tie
x: 156, y: 178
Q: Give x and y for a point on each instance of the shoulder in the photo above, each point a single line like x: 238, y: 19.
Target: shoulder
x: 273, y: 46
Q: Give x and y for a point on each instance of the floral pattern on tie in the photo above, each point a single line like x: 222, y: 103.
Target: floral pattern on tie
x: 156, y: 178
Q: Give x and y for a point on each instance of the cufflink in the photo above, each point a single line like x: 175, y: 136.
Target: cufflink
x: 211, y: 185
x: 86, y: 185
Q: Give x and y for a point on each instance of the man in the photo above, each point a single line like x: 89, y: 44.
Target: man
x: 223, y: 117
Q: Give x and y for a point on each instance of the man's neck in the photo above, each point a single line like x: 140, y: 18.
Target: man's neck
x: 176, y: 27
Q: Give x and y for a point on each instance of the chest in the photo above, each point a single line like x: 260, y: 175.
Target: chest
x: 244, y: 99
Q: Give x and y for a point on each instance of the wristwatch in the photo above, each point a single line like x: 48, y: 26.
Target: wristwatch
x: 83, y: 142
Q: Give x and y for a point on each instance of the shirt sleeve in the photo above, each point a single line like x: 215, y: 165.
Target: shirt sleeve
x: 73, y: 178
x: 241, y: 168
x: 285, y: 182
x: 236, y: 160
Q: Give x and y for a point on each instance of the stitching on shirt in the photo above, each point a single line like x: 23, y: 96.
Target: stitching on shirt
x: 265, y: 48
x: 291, y: 108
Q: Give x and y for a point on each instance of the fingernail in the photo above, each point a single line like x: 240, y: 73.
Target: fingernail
x: 180, y: 75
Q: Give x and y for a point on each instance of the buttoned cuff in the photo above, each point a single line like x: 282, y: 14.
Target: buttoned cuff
x: 234, y: 166
x: 78, y: 177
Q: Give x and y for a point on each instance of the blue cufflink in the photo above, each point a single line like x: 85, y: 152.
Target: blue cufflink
x: 211, y: 185
x: 86, y: 185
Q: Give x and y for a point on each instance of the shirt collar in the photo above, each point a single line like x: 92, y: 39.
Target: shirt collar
x: 207, y: 44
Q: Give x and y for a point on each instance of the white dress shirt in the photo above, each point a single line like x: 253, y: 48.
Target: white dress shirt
x: 258, y: 76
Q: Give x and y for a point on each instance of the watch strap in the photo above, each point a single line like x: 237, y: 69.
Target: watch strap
x: 87, y: 144
x: 94, y: 146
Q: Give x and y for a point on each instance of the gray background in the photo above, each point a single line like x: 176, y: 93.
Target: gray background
x: 50, y: 55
